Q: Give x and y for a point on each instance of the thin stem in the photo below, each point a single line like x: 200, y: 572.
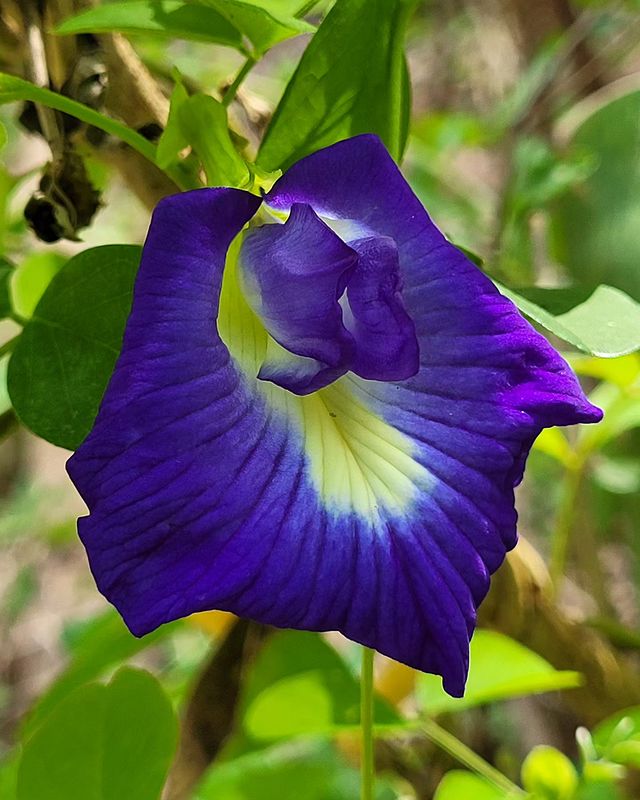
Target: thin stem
x: 564, y: 524
x: 8, y: 346
x: 306, y: 8
x: 237, y: 81
x: 448, y: 742
x: 366, y: 723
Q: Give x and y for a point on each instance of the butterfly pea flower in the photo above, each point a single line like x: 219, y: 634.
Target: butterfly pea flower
x: 318, y: 417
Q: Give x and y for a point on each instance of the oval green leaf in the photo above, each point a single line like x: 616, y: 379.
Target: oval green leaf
x: 66, y: 353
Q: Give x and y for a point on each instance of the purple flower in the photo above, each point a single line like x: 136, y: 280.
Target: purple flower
x: 325, y: 433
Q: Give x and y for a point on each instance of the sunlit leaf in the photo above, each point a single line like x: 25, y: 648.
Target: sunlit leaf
x: 300, y: 686
x: 110, y: 742
x: 555, y: 444
x: 30, y: 279
x: 603, y: 322
x: 61, y: 365
x: 549, y: 774
x: 351, y: 79
x: 461, y: 785
x: 167, y: 17
x: 263, y: 23
x: 203, y: 123
x: 622, y: 371
x: 500, y: 669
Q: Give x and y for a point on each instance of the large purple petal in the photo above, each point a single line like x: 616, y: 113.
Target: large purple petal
x: 488, y: 383
x: 209, y: 489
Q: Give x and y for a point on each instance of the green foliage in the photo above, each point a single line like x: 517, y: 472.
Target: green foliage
x: 460, y: 785
x: 549, y: 775
x: 596, y: 225
x: 203, y: 123
x: 339, y: 89
x: 170, y: 18
x: 30, y: 279
x: 604, y: 322
x: 521, y: 672
x: 110, y: 742
x: 68, y: 348
x: 104, y: 643
x: 296, y: 770
x: 225, y: 22
x: 14, y: 89
x: 300, y: 686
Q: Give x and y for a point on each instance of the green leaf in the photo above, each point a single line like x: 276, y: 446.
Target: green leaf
x: 460, y: 785
x: 172, y: 139
x: 166, y: 17
x: 297, y: 770
x: 617, y: 738
x: 263, y: 23
x: 595, y: 226
x: 31, y: 278
x: 13, y: 89
x: 500, y: 669
x: 105, y: 641
x: 604, y: 322
x: 110, y: 742
x: 4, y: 137
x: 203, y: 123
x: 63, y: 360
x: 300, y: 686
x: 548, y: 773
x: 351, y: 79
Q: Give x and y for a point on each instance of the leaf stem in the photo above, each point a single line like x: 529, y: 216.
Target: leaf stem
x: 237, y: 81
x: 366, y: 724
x: 564, y: 523
x: 8, y: 346
x: 465, y: 755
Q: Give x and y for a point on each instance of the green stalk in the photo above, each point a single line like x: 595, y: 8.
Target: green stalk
x: 564, y: 523
x: 237, y: 81
x: 366, y: 724
x: 465, y: 755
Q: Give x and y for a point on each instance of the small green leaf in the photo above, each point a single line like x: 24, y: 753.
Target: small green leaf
x: 300, y: 686
x: 617, y: 738
x: 263, y: 23
x: 500, y: 669
x: 549, y: 774
x: 63, y: 360
x: 351, y: 79
x: 203, y: 123
x: 460, y: 785
x: 110, y: 742
x: 604, y: 322
x: 166, y: 17
x: 172, y: 139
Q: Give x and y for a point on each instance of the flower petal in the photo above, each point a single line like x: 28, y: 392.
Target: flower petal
x: 387, y: 347
x: 293, y: 276
x: 488, y: 383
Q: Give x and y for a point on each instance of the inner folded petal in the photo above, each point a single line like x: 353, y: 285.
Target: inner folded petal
x: 387, y: 346
x: 293, y: 276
